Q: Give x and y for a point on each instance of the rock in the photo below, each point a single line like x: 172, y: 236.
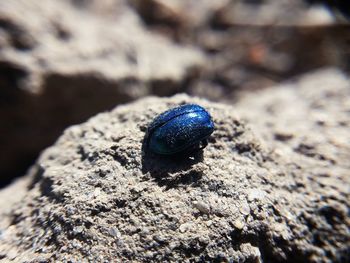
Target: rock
x: 61, y: 63
x: 269, y: 12
x: 202, y: 207
x: 175, y: 17
x: 66, y: 41
x: 181, y: 15
x: 281, y: 202
x: 251, y: 44
x: 249, y: 57
x: 103, y: 55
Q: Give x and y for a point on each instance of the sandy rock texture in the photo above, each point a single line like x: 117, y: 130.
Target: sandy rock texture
x: 271, y: 186
x: 64, y: 61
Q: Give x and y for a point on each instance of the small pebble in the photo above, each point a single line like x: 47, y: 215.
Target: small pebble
x: 256, y: 194
x: 202, y: 207
x: 78, y: 229
x: 245, y: 209
x: 239, y: 224
x: 113, y: 231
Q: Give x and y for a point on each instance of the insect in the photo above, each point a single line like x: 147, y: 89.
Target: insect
x: 181, y: 129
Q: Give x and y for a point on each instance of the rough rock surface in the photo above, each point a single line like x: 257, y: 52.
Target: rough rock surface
x: 61, y: 63
x: 271, y: 188
x: 56, y: 39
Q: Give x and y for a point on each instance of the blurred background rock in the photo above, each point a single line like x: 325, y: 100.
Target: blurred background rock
x: 64, y: 61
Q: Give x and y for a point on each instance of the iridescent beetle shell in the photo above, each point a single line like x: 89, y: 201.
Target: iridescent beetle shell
x: 181, y: 129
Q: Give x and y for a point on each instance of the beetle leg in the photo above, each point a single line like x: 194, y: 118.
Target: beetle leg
x: 203, y: 144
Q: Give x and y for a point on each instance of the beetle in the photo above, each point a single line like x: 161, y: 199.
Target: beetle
x: 179, y: 130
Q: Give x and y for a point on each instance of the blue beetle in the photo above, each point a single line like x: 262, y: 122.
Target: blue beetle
x: 181, y: 129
